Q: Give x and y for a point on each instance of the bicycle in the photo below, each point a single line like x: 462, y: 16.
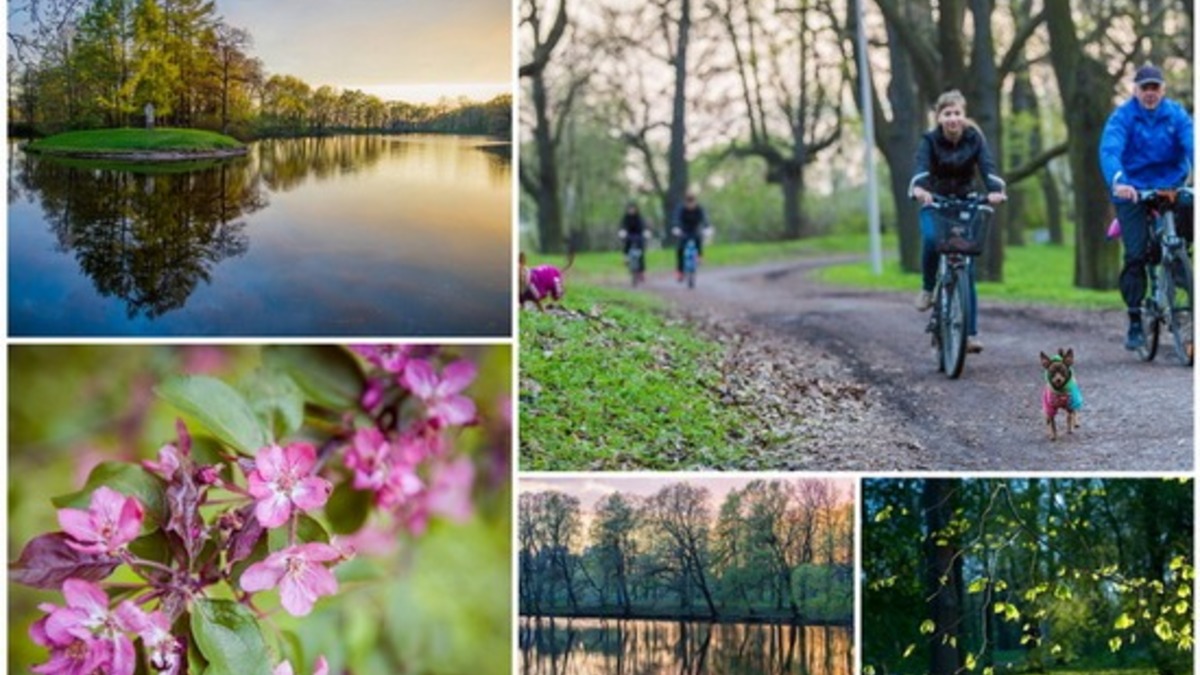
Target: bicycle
x: 960, y: 230
x: 1169, y: 302
x: 691, y: 255
x: 635, y: 259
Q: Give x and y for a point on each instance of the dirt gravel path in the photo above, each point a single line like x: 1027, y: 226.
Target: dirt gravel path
x: 1137, y: 416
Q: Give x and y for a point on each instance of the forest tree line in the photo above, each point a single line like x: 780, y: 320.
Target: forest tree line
x: 1027, y: 575
x: 85, y: 64
x: 773, y: 551
x: 757, y: 104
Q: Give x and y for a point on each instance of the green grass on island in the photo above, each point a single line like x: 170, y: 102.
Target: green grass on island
x: 617, y: 385
x: 119, y: 141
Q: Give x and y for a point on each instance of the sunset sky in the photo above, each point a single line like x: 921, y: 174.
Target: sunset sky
x: 412, y: 50
x: 589, y: 489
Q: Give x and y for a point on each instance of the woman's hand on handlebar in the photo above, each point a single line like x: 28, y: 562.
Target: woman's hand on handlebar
x: 996, y: 198
x: 922, y: 195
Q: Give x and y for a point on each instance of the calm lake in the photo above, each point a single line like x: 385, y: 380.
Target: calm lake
x: 636, y: 647
x: 339, y: 236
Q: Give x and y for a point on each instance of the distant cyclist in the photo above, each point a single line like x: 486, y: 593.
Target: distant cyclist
x: 688, y: 223
x: 633, y: 230
x: 1147, y: 144
x: 949, y: 158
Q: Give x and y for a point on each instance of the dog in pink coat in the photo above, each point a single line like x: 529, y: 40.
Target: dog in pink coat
x: 544, y: 282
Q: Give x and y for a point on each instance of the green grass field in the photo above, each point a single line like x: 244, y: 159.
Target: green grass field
x: 1037, y: 274
x: 134, y: 140
x: 609, y: 266
x: 618, y: 385
x: 1033, y: 274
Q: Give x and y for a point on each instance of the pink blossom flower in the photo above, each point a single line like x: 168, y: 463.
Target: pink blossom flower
x: 319, y: 668
x: 298, y: 572
x: 450, y: 492
x: 155, y: 631
x: 83, y: 637
x: 373, y: 394
x: 111, y: 521
x: 282, y: 481
x: 370, y: 458
x: 391, y: 358
x: 443, y: 403
x: 168, y: 462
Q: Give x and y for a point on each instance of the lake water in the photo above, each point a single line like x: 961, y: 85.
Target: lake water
x: 636, y: 647
x: 341, y: 236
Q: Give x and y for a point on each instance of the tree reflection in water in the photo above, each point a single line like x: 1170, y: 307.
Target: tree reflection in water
x: 637, y: 647
x: 146, y: 238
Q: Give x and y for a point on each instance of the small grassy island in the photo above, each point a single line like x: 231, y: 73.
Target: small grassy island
x: 148, y: 145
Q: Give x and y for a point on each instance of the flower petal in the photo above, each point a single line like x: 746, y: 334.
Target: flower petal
x: 284, y: 668
x: 274, y: 510
x: 321, y: 667
x: 454, y: 410
x: 457, y: 376
x: 270, y: 462
x: 129, y: 523
x: 311, y: 493
x: 300, y: 458
x: 296, y: 598
x: 420, y: 379
x: 79, y: 525
x: 263, y: 575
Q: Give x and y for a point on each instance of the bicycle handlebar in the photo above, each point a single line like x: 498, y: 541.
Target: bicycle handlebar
x: 946, y: 201
x: 1168, y: 195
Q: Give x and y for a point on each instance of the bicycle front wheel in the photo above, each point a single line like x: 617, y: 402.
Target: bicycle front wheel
x: 1178, y: 286
x: 954, y: 323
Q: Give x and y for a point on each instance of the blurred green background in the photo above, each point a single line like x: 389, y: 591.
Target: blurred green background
x: 440, y: 604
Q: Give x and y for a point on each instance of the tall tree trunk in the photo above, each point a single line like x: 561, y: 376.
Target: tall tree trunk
x: 791, y: 183
x: 985, y: 108
x: 1086, y: 88
x: 943, y: 580
x: 677, y: 182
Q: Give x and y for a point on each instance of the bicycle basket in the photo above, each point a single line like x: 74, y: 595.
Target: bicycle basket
x: 961, y: 230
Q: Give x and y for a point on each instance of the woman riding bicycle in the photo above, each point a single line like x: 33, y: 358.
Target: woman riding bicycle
x: 1147, y: 143
x: 948, y: 159
x: 633, y: 228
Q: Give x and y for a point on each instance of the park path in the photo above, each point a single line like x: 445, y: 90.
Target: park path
x: 1137, y: 416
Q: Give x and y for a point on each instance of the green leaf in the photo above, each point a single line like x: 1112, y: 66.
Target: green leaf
x: 277, y: 402
x: 347, y: 508
x: 1163, y: 630
x: 1114, y: 644
x: 130, y: 480
x: 1182, y: 607
x: 1124, y: 621
x: 328, y: 375
x: 928, y: 626
x: 229, y: 637
x: 909, y: 650
x: 219, y: 408
x: 971, y: 662
x: 978, y: 585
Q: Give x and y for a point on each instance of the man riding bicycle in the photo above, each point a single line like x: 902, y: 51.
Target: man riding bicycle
x: 948, y: 158
x: 1147, y: 143
x: 688, y: 223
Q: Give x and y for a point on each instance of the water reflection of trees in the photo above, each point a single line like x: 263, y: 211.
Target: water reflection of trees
x: 147, y: 238
x: 286, y: 163
x: 631, y: 647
